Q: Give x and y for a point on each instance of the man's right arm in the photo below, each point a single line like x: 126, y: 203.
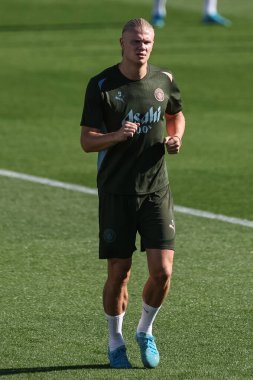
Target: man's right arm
x: 92, y: 140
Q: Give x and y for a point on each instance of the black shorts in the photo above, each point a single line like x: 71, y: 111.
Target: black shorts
x: 121, y: 216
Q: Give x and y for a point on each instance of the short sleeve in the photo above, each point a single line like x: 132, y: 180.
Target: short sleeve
x: 92, y: 115
x: 175, y: 102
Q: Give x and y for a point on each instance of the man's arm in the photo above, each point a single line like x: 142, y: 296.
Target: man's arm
x: 92, y: 140
x: 175, y: 126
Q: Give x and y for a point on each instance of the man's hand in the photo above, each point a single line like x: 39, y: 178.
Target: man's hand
x: 127, y: 130
x: 173, y: 144
x: 93, y: 140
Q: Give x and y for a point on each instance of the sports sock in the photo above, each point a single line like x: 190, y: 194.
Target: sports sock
x: 210, y: 7
x: 115, y: 331
x: 159, y: 8
x: 148, y: 316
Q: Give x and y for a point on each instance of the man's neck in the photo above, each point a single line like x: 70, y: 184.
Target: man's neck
x: 133, y: 72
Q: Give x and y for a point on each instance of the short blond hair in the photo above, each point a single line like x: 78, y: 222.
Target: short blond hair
x: 137, y: 23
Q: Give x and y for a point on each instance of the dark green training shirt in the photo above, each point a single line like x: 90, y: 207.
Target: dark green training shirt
x: 135, y: 166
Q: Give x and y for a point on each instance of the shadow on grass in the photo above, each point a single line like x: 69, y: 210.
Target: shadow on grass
x: 52, y: 27
x: 16, y: 371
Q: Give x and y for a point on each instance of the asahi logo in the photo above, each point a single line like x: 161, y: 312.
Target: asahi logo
x: 145, y: 120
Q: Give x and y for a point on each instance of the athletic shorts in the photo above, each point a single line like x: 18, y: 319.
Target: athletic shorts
x: 122, y: 216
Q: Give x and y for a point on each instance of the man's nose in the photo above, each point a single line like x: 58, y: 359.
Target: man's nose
x: 141, y: 45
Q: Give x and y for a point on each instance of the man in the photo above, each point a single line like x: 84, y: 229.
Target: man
x: 211, y: 14
x: 123, y: 116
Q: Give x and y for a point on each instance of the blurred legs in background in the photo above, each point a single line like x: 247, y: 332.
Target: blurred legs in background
x: 210, y: 14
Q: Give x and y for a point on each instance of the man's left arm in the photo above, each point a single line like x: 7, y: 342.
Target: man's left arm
x: 175, y: 126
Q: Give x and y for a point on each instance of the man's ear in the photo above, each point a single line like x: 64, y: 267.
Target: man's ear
x: 122, y: 46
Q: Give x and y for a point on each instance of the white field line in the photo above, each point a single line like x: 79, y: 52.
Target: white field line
x: 88, y: 190
x: 48, y: 182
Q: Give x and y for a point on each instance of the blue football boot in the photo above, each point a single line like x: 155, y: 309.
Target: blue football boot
x: 216, y: 18
x: 118, y: 358
x: 149, y: 354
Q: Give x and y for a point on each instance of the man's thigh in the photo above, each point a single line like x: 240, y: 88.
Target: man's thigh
x: 117, y: 226
x: 156, y: 222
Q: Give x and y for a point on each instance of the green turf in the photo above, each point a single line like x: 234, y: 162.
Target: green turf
x: 52, y: 323
x: 51, y: 284
x: 49, y: 49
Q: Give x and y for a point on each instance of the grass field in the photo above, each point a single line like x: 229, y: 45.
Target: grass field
x: 51, y: 280
x: 52, y: 323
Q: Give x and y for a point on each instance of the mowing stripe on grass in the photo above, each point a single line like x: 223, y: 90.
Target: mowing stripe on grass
x: 88, y: 190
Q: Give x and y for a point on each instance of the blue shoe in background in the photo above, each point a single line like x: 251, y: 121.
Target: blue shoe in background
x: 158, y: 21
x: 118, y: 358
x: 149, y: 354
x: 216, y: 18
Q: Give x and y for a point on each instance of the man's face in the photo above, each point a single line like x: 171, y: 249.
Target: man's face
x: 137, y: 45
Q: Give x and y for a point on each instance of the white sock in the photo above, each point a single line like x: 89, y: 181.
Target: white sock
x: 115, y: 331
x: 159, y: 7
x: 147, y: 318
x: 210, y: 7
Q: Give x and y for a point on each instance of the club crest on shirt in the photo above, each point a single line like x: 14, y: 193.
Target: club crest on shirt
x: 159, y: 94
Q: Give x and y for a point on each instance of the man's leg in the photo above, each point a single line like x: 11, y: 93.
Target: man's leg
x: 115, y: 300
x: 160, y: 264
x: 115, y: 295
x: 158, y: 13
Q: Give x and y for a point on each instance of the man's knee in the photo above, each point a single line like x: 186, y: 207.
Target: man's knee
x: 162, y: 276
x: 160, y: 266
x: 119, y: 271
